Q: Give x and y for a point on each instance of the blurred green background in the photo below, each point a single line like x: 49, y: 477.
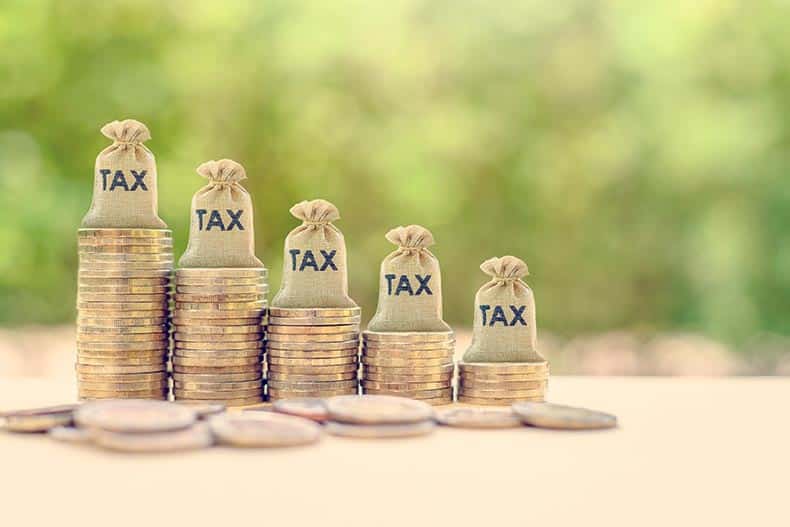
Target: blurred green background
x: 635, y: 154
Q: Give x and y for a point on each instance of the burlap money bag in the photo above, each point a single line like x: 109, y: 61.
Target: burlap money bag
x: 504, y: 327
x: 124, y: 181
x: 314, y: 262
x: 410, y: 285
x: 221, y: 230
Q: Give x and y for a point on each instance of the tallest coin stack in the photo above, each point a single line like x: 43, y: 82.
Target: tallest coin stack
x: 125, y: 266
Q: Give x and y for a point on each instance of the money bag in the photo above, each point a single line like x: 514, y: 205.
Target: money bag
x: 124, y: 181
x: 410, y: 284
x: 504, y: 327
x: 221, y: 230
x: 315, y: 273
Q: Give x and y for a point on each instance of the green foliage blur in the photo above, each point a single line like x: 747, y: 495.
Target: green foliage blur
x: 635, y: 154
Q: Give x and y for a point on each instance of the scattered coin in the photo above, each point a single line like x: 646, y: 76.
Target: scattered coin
x: 377, y: 409
x: 309, y: 408
x: 478, y: 418
x: 557, y: 416
x: 134, y: 416
x: 381, y: 431
x: 70, y: 434
x: 38, y: 419
x: 195, y: 436
x: 264, y: 429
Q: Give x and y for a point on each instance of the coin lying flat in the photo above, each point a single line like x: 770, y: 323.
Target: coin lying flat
x: 393, y: 378
x: 118, y: 370
x: 264, y: 429
x: 311, y: 330
x: 315, y: 321
x: 439, y: 393
x: 228, y: 402
x: 496, y: 394
x: 406, y: 336
x: 491, y: 401
x: 217, y: 395
x: 313, y: 370
x: 405, y: 363
x: 295, y: 377
x: 334, y: 337
x: 382, y: 431
x: 134, y: 416
x: 314, y: 312
x: 332, y: 361
x: 193, y: 437
x: 309, y: 408
x: 312, y: 346
x: 478, y: 418
x: 70, y: 434
x: 503, y: 367
x: 377, y: 409
x: 208, y: 330
x: 405, y: 386
x: 245, y: 369
x: 203, y: 410
x: 221, y: 289
x: 38, y: 419
x: 222, y: 272
x: 561, y: 417
x: 209, y: 378
x: 312, y: 354
x: 410, y: 355
x: 116, y: 232
x: 275, y: 393
x: 312, y: 385
x: 120, y: 323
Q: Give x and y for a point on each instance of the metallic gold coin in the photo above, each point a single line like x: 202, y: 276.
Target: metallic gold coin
x: 315, y: 354
x: 203, y: 410
x: 89, y: 330
x: 86, y: 275
x: 120, y: 249
x: 561, y: 417
x: 244, y: 369
x: 211, y: 307
x: 278, y: 394
x: 294, y: 377
x: 133, y: 317
x: 100, y: 298
x: 308, y: 386
x: 122, y: 378
x: 134, y: 416
x: 180, y: 319
x: 130, y: 233
x: 335, y: 361
x: 218, y: 282
x: 220, y: 377
x: 312, y: 370
x: 406, y: 387
x: 413, y: 394
x: 125, y: 282
x: 219, y: 354
x: 274, y: 329
x: 98, y: 260
x: 123, y: 386
x: 160, y: 304
x: 264, y: 429
x: 124, y: 242
x: 220, y: 331
x: 220, y: 298
x: 217, y: 395
x: 503, y: 367
x: 503, y: 379
x: 114, y: 394
x: 150, y: 269
x: 502, y: 386
x: 406, y: 347
x: 408, y: 336
x: 315, y: 312
x: 496, y: 394
x: 384, y: 362
x: 253, y: 345
x: 381, y: 431
x: 478, y: 418
x: 123, y: 289
x: 91, y: 369
x: 88, y: 338
x: 222, y: 272
x: 502, y: 401
x: 217, y: 340
x: 218, y: 386
x: 337, y: 337
x: 410, y: 370
x: 312, y: 346
x: 227, y: 402
x: 38, y: 419
x: 215, y: 362
x: 408, y: 355
x: 70, y: 434
x: 121, y: 323
x: 379, y: 409
x: 194, y: 437
x: 156, y: 345
x: 115, y: 355
x: 121, y: 361
x: 309, y: 408
x: 389, y: 378
x: 222, y: 289
x: 315, y: 321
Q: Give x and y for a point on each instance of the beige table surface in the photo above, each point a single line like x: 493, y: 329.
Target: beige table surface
x: 688, y: 452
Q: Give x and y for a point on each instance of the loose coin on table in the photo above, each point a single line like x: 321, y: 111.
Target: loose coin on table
x: 193, y: 437
x: 309, y: 408
x: 557, y: 416
x: 377, y: 409
x: 264, y: 429
x: 478, y: 418
x: 133, y: 415
x: 38, y: 419
x: 380, y: 431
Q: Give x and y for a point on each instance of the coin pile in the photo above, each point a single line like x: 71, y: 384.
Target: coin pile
x: 123, y: 304
x: 418, y: 365
x: 218, y: 335
x: 312, y: 352
x: 502, y: 383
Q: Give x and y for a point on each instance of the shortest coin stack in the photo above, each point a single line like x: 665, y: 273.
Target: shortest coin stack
x: 502, y: 383
x: 312, y: 352
x: 123, y: 304
x: 218, y: 335
x: 418, y: 365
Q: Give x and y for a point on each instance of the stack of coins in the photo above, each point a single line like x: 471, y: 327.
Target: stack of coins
x: 418, y: 365
x: 502, y: 383
x: 218, y: 335
x: 312, y: 352
x: 123, y: 305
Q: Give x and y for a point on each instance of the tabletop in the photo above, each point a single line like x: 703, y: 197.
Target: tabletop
x: 687, y: 451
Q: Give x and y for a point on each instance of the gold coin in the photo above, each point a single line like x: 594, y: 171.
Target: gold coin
x: 109, y: 323
x: 220, y: 282
x: 88, y: 275
x: 131, y: 233
x: 275, y: 394
x: 414, y: 394
x: 478, y: 418
x: 308, y: 386
x: 501, y: 401
x: 410, y: 386
x: 133, y: 316
x: 312, y: 346
x: 90, y: 369
x: 379, y: 409
x: 128, y: 338
x: 218, y: 386
x: 384, y: 362
x: 441, y: 401
x: 254, y: 329
x: 334, y: 361
x: 315, y: 321
x: 38, y: 419
x: 123, y: 386
x: 310, y: 330
x: 211, y: 355
x: 220, y: 346
x: 123, y: 290
x: 158, y: 345
x: 214, y: 362
x: 121, y: 249
x: 389, y: 378
x: 503, y: 379
x: 156, y: 394
x: 226, y: 306
x: 411, y: 370
x: 182, y: 320
x: 560, y: 417
x: 380, y: 431
x: 218, y: 395
x: 123, y: 378
x: 258, y: 399
x: 246, y: 369
x: 307, y: 407
x: 503, y: 367
x: 408, y: 336
x: 265, y: 430
x: 446, y: 345
x: 147, y: 269
x: 121, y: 307
x: 500, y: 393
x: 90, y: 241
x: 116, y: 361
x: 408, y: 355
x: 331, y: 312
x: 218, y: 340
x: 220, y: 298
x: 502, y: 386
x: 312, y: 370
x: 86, y: 330
x: 222, y: 289
x: 99, y: 259
x: 125, y: 282
x: 332, y: 354
x: 220, y: 377
x: 195, y: 437
x: 117, y: 356
x: 222, y: 272
x: 337, y: 337
x: 294, y: 377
